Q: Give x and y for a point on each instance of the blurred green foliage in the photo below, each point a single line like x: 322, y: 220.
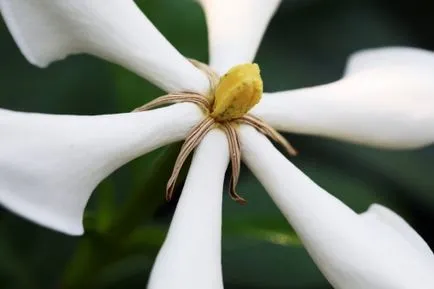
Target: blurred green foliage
x: 307, y: 43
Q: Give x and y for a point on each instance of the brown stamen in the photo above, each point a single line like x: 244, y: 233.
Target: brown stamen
x: 198, y: 132
x: 176, y: 98
x: 193, y: 139
x: 235, y: 156
x: 267, y: 130
x: 213, y: 77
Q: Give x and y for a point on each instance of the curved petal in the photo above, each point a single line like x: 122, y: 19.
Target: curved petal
x: 386, y: 104
x: 235, y: 30
x: 346, y: 249
x: 390, y: 56
x: 379, y: 216
x: 50, y: 164
x: 116, y: 30
x: 190, y: 256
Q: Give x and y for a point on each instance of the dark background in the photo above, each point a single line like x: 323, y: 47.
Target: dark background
x: 306, y: 44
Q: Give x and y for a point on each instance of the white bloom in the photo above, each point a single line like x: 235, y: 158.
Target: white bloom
x: 49, y: 165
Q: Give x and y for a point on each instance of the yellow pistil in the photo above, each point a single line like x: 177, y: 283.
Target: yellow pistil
x: 237, y: 92
x: 229, y: 102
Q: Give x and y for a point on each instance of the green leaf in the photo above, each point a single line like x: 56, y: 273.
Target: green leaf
x: 147, y: 238
x: 106, y: 205
x: 407, y: 172
x: 14, y: 272
x: 121, y: 273
x: 272, y: 229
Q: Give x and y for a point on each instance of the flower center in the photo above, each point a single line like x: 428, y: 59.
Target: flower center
x: 233, y: 95
x: 237, y: 92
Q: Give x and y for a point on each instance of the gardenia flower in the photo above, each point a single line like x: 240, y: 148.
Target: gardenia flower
x: 50, y: 164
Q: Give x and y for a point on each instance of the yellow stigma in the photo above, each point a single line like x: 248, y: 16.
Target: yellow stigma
x: 237, y: 92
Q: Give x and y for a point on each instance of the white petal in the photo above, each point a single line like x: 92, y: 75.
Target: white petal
x: 305, y: 204
x: 116, y: 30
x: 50, y: 164
x: 235, y: 29
x: 190, y: 256
x: 387, y: 105
x: 346, y: 249
x: 379, y: 216
x: 391, y: 56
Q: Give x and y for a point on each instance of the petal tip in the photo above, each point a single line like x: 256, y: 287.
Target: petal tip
x: 44, y: 218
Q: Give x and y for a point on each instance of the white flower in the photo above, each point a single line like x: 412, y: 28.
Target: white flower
x: 49, y: 165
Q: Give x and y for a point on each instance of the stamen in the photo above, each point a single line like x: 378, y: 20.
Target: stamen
x: 227, y: 103
x: 267, y: 130
x: 193, y: 139
x: 213, y: 77
x: 176, y: 98
x: 235, y: 155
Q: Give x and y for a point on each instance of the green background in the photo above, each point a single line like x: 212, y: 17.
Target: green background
x: 307, y: 43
